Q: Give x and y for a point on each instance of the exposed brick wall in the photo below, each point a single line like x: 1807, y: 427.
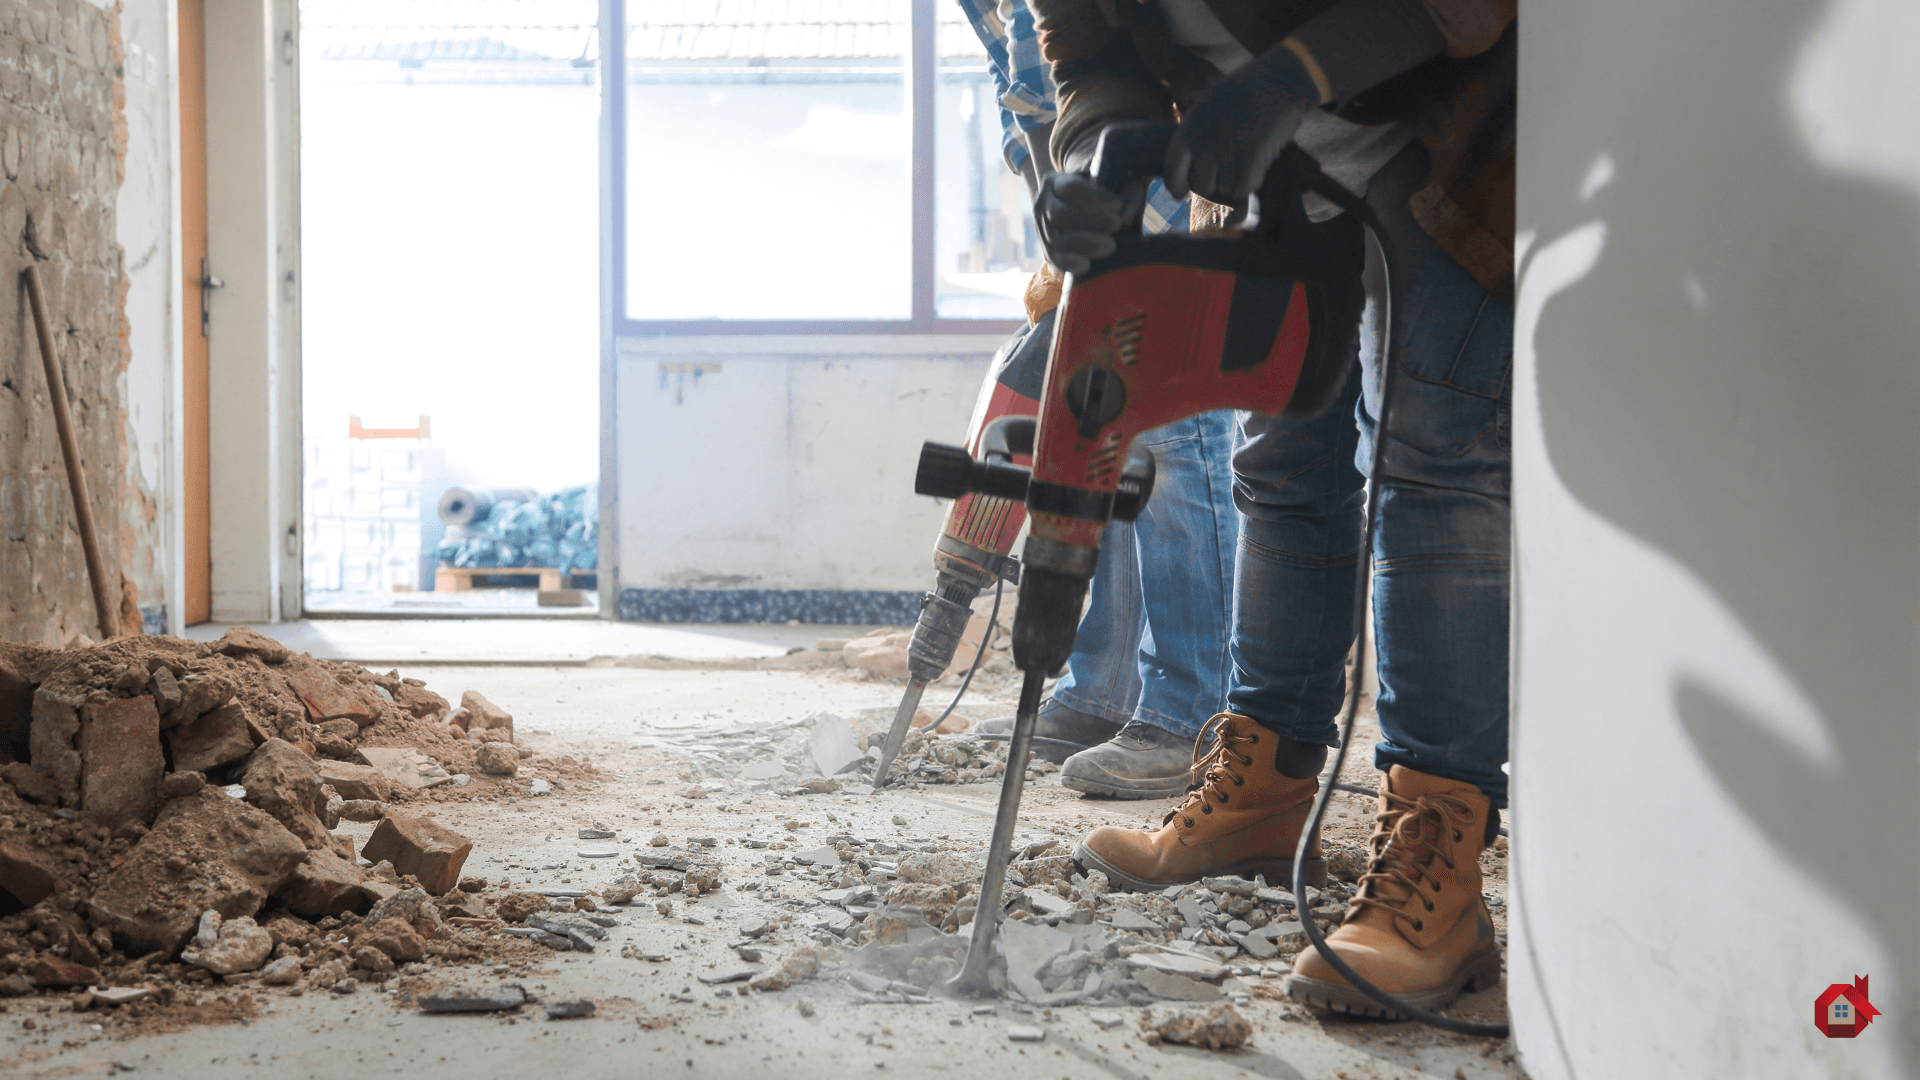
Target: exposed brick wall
x: 62, y: 142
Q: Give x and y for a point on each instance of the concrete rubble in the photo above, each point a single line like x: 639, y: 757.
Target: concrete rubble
x: 167, y: 816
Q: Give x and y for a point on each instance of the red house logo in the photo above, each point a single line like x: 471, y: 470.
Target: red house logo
x: 1843, y: 1011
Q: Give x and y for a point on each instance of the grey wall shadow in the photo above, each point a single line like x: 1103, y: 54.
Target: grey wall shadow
x: 1736, y: 383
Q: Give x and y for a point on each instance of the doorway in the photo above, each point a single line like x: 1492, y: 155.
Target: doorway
x: 450, y: 348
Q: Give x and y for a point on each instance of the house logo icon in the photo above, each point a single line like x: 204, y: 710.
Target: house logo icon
x: 1842, y: 1011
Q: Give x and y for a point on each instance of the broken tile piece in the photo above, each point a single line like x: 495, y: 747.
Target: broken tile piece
x: 510, y: 996
x: 406, y: 766
x: 728, y: 975
x: 596, y: 834
x: 1026, y: 1034
x: 1178, y: 964
x: 326, y: 699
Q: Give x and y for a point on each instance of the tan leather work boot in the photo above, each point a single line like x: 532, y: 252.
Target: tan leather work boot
x: 1418, y: 928
x: 1242, y: 817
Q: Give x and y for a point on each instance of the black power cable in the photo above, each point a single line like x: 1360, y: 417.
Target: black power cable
x: 1308, y: 925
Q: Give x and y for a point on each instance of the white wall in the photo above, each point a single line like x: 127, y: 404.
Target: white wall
x: 1717, y: 752
x: 791, y: 467
x: 144, y: 227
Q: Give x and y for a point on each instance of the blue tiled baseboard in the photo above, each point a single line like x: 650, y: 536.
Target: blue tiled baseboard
x: 840, y: 606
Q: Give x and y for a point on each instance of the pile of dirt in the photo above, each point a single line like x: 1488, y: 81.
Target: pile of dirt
x: 167, y: 817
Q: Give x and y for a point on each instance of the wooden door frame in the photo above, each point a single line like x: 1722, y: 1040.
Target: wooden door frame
x: 193, y: 570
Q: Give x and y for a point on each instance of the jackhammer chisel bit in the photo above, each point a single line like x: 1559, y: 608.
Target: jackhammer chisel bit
x: 972, y: 980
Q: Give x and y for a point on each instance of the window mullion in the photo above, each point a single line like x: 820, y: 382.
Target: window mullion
x: 920, y: 102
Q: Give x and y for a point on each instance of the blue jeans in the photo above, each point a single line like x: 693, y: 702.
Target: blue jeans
x: 1441, y: 551
x: 1153, y: 643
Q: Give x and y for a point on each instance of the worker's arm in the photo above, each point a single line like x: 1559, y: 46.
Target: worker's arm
x: 1237, y: 128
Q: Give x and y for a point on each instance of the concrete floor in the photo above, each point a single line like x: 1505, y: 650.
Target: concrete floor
x: 620, y: 719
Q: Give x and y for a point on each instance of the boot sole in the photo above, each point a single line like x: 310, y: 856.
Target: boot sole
x: 1480, y: 972
x: 1115, y: 788
x: 1279, y: 872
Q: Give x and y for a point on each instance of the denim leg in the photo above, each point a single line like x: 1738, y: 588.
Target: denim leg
x: 1442, y: 551
x: 1186, y: 539
x: 1300, y: 501
x: 1103, y: 674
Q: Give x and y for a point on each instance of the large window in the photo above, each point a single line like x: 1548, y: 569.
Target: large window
x: 810, y: 165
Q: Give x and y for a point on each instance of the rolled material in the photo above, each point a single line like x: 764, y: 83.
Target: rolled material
x: 461, y: 506
x: 70, y: 449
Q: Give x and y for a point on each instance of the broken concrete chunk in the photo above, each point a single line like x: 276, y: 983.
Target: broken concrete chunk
x: 1106, y: 1019
x: 282, y: 972
x: 395, y: 938
x: 236, y: 854
x: 1178, y: 964
x: 498, y: 758
x: 511, y: 996
x: 515, y: 907
x: 56, y: 720
x: 1019, y: 1033
x: 938, y: 868
x: 569, y: 1010
x: 1173, y: 987
x: 825, y: 855
x: 285, y: 783
x: 120, y: 761
x: 419, y: 846
x: 362, y: 810
x: 1129, y: 919
x: 484, y: 715
x: 353, y: 781
x: 118, y: 995
x: 326, y: 699
x: 833, y: 745
x: 242, y: 946
x: 166, y: 689
x: 33, y: 786
x: 728, y: 975
x: 217, y: 738
x: 200, y: 694
x: 179, y: 785
x: 246, y: 641
x: 325, y: 884
x: 1217, y: 1027
x: 26, y: 875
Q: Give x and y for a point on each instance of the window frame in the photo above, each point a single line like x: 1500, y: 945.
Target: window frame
x: 922, y: 75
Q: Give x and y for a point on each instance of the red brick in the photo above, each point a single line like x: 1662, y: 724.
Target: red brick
x: 214, y: 740
x: 120, y: 761
x: 484, y: 715
x: 53, y: 971
x: 418, y: 845
x: 327, y: 700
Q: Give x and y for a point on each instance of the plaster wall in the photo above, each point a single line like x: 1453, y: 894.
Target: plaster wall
x: 1716, y: 756
x: 756, y: 473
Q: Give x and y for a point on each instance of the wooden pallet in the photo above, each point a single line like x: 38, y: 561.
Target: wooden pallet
x: 461, y: 578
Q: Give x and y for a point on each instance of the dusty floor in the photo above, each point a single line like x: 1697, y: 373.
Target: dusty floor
x: 658, y: 1015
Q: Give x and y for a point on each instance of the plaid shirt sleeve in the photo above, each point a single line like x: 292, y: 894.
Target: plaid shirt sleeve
x: 1025, y: 83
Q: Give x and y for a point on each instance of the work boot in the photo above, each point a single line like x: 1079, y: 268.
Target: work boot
x: 1060, y: 731
x: 1243, y: 816
x: 1418, y: 928
x: 1141, y: 762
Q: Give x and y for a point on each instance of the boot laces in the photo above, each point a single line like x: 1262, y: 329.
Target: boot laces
x: 1408, y: 835
x: 1213, y: 775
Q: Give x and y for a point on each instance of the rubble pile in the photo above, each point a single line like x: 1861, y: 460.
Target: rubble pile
x: 168, y: 810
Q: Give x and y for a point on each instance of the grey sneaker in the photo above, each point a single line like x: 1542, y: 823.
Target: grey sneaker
x: 1141, y: 762
x: 1060, y: 732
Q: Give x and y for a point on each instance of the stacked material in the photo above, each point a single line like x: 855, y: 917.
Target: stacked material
x: 517, y: 528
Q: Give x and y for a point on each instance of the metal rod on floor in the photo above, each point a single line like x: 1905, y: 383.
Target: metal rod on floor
x: 972, y: 980
x: 70, y: 449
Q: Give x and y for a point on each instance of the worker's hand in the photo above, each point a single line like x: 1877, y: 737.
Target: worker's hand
x: 1238, y: 127
x: 1077, y: 220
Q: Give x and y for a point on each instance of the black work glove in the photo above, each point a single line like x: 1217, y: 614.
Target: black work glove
x: 1078, y: 219
x: 1232, y: 134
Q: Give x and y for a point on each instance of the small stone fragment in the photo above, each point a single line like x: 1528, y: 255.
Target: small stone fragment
x: 1217, y: 1027
x: 1026, y: 1034
x: 282, y: 972
x: 540, y: 787
x: 355, y: 782
x: 242, y: 946
x: 569, y: 1010
x: 510, y: 996
x: 1106, y: 1019
x: 498, y: 758
x: 595, y: 834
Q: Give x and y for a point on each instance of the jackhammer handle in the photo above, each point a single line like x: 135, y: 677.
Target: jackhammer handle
x: 1131, y: 152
